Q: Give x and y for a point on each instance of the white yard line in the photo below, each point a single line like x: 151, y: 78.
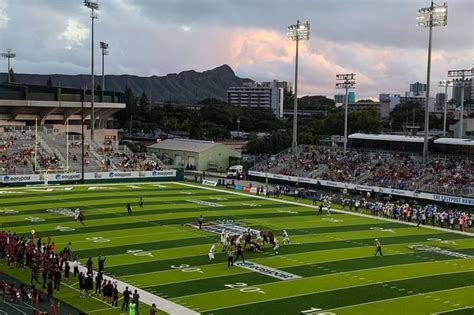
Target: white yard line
x: 399, y: 298
x: 324, y: 291
x: 335, y: 210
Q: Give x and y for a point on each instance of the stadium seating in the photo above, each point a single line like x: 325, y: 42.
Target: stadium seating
x: 382, y: 169
x: 17, y: 154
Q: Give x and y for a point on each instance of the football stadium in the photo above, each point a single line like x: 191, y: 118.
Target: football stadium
x: 204, y: 192
x: 327, y: 267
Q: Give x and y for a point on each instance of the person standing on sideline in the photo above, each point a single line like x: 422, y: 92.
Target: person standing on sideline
x: 129, y: 208
x: 67, y: 270
x: 135, y: 300
x: 98, y: 282
x: 200, y: 221
x: 142, y: 202
x: 75, y: 267
x: 320, y: 212
x: 126, y: 299
x: 115, y: 296
x: 101, y: 263
x: 57, y: 278
x: 133, y: 309
x: 153, y: 309
x: 50, y: 289
x: 378, y: 247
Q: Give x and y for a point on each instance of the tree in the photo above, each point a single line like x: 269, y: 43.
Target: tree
x: 143, y: 102
x: 49, y: 82
x: 411, y: 113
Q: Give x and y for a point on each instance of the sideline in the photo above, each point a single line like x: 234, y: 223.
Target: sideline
x: 148, y: 298
x: 335, y: 210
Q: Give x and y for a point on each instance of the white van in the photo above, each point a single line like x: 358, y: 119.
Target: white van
x: 235, y: 171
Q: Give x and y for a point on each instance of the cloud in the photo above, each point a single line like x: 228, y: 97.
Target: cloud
x: 377, y: 39
x: 74, y: 34
x: 3, y: 13
x: 186, y: 28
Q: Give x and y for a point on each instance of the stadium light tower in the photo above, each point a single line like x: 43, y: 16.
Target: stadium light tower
x: 94, y: 6
x: 297, y: 32
x: 8, y: 55
x: 434, y: 15
x: 348, y: 83
x: 461, y: 78
x: 104, y: 46
x: 445, y: 84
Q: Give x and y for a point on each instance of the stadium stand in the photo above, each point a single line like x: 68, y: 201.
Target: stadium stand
x: 400, y: 170
x: 49, y: 114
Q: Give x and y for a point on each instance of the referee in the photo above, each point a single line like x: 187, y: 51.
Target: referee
x: 378, y: 247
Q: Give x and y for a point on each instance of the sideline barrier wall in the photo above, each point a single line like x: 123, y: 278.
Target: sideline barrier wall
x: 56, y: 178
x: 399, y: 192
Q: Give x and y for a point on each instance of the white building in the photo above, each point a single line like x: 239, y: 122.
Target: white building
x: 392, y: 99
x: 267, y: 95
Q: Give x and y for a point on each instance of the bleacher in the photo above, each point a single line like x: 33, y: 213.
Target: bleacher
x: 399, y: 170
x: 55, y: 154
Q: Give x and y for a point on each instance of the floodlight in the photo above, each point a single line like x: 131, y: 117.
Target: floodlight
x: 297, y: 32
x: 348, y: 83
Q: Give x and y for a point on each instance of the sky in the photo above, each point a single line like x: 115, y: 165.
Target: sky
x: 376, y: 39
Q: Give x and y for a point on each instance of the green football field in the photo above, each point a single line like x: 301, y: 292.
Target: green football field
x: 331, y: 257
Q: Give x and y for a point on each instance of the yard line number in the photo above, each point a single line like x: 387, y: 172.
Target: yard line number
x: 243, y: 287
x: 187, y: 268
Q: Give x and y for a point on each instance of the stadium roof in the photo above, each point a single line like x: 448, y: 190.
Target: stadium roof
x: 393, y: 138
x: 49, y: 104
x: 184, y: 145
x: 454, y: 141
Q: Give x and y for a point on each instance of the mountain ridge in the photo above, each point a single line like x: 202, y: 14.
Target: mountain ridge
x: 186, y: 86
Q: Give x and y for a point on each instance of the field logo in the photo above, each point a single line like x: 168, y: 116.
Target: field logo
x: 438, y: 250
x: 8, y: 211
x: 35, y: 219
x: 64, y: 211
x: 382, y: 229
x: 65, y: 228
x: 275, y: 273
x: 217, y: 226
x: 205, y: 203
x: 333, y: 220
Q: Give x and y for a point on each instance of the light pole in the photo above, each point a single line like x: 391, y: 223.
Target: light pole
x: 8, y: 55
x: 297, y: 32
x: 460, y: 79
x: 238, y: 127
x: 83, y: 95
x: 348, y: 83
x: 94, y: 7
x: 434, y: 15
x: 105, y: 52
x: 445, y: 84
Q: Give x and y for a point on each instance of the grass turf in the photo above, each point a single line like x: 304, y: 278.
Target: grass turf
x: 333, y: 255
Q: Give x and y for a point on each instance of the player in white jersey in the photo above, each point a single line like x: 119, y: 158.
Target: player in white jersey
x: 286, y: 238
x: 276, y: 246
x: 211, y: 253
x: 224, y: 241
x: 77, y: 212
x: 259, y: 237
